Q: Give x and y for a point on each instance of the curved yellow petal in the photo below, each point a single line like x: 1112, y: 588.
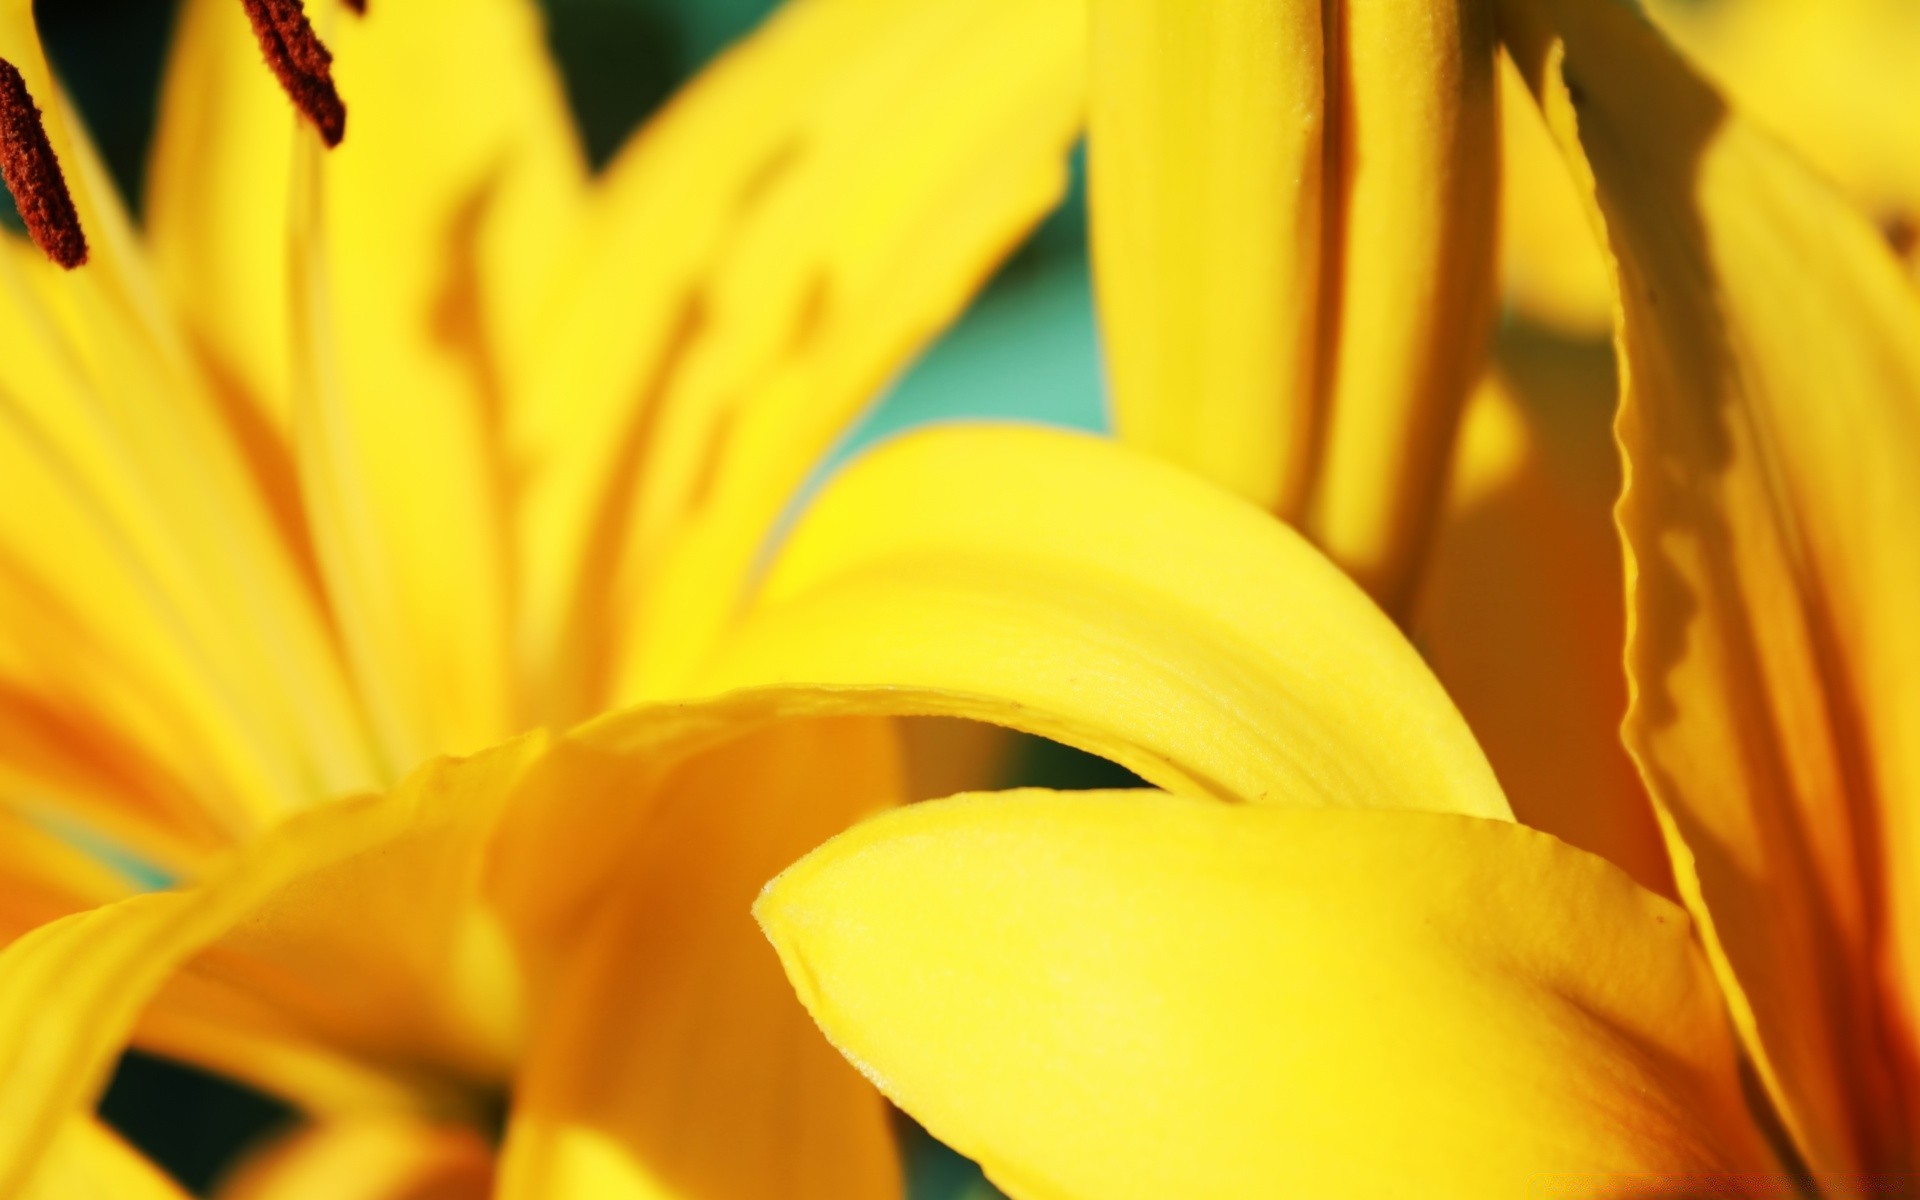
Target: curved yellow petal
x: 763, y: 259
x: 1127, y: 994
x: 1771, y: 349
x: 367, y: 1159
x: 87, y: 1161
x: 1522, y: 606
x: 1206, y: 160
x: 1068, y: 586
x: 672, y: 1060
x: 394, y: 954
x: 1417, y: 173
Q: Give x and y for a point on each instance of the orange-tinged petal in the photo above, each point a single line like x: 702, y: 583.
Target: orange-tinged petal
x: 1522, y: 608
x: 1206, y: 160
x: 1071, y: 587
x: 1771, y: 349
x: 673, y: 1060
x: 763, y: 259
x: 1114, y: 995
x: 367, y: 1159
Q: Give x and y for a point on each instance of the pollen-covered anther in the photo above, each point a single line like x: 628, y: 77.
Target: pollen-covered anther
x: 33, y: 174
x: 301, y: 62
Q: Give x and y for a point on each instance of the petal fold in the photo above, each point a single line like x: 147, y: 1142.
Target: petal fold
x: 1114, y: 995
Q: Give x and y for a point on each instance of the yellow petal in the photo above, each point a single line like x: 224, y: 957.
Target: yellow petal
x: 765, y: 257
x: 673, y: 1060
x: 1417, y: 180
x: 1114, y: 995
x: 1208, y: 201
x: 389, y: 954
x: 1772, y: 356
x: 367, y: 1159
x: 89, y: 1162
x: 431, y: 998
x: 137, y: 522
x: 1522, y: 609
x: 1552, y: 268
x: 1070, y: 587
x: 423, y: 245
x: 1833, y: 78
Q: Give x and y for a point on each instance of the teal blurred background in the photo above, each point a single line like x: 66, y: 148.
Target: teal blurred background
x: 1026, y: 351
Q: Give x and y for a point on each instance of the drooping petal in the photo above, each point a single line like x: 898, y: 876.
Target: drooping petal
x: 1416, y: 179
x: 368, y: 1159
x: 1772, y: 359
x: 1522, y: 608
x: 1069, y: 586
x: 673, y: 1061
x: 764, y: 257
x: 87, y: 1161
x: 1207, y: 160
x: 1114, y: 995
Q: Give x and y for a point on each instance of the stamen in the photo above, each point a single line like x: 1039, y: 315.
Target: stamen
x: 301, y: 63
x: 358, y: 6
x: 33, y: 174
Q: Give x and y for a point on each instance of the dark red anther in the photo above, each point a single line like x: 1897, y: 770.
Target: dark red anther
x: 358, y: 6
x: 33, y: 174
x: 300, y: 62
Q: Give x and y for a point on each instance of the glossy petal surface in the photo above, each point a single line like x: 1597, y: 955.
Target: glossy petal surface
x: 1116, y: 995
x: 1071, y: 587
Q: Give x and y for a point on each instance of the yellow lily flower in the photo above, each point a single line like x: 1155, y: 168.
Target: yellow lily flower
x: 1139, y: 995
x: 495, y: 445
x: 346, y: 461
